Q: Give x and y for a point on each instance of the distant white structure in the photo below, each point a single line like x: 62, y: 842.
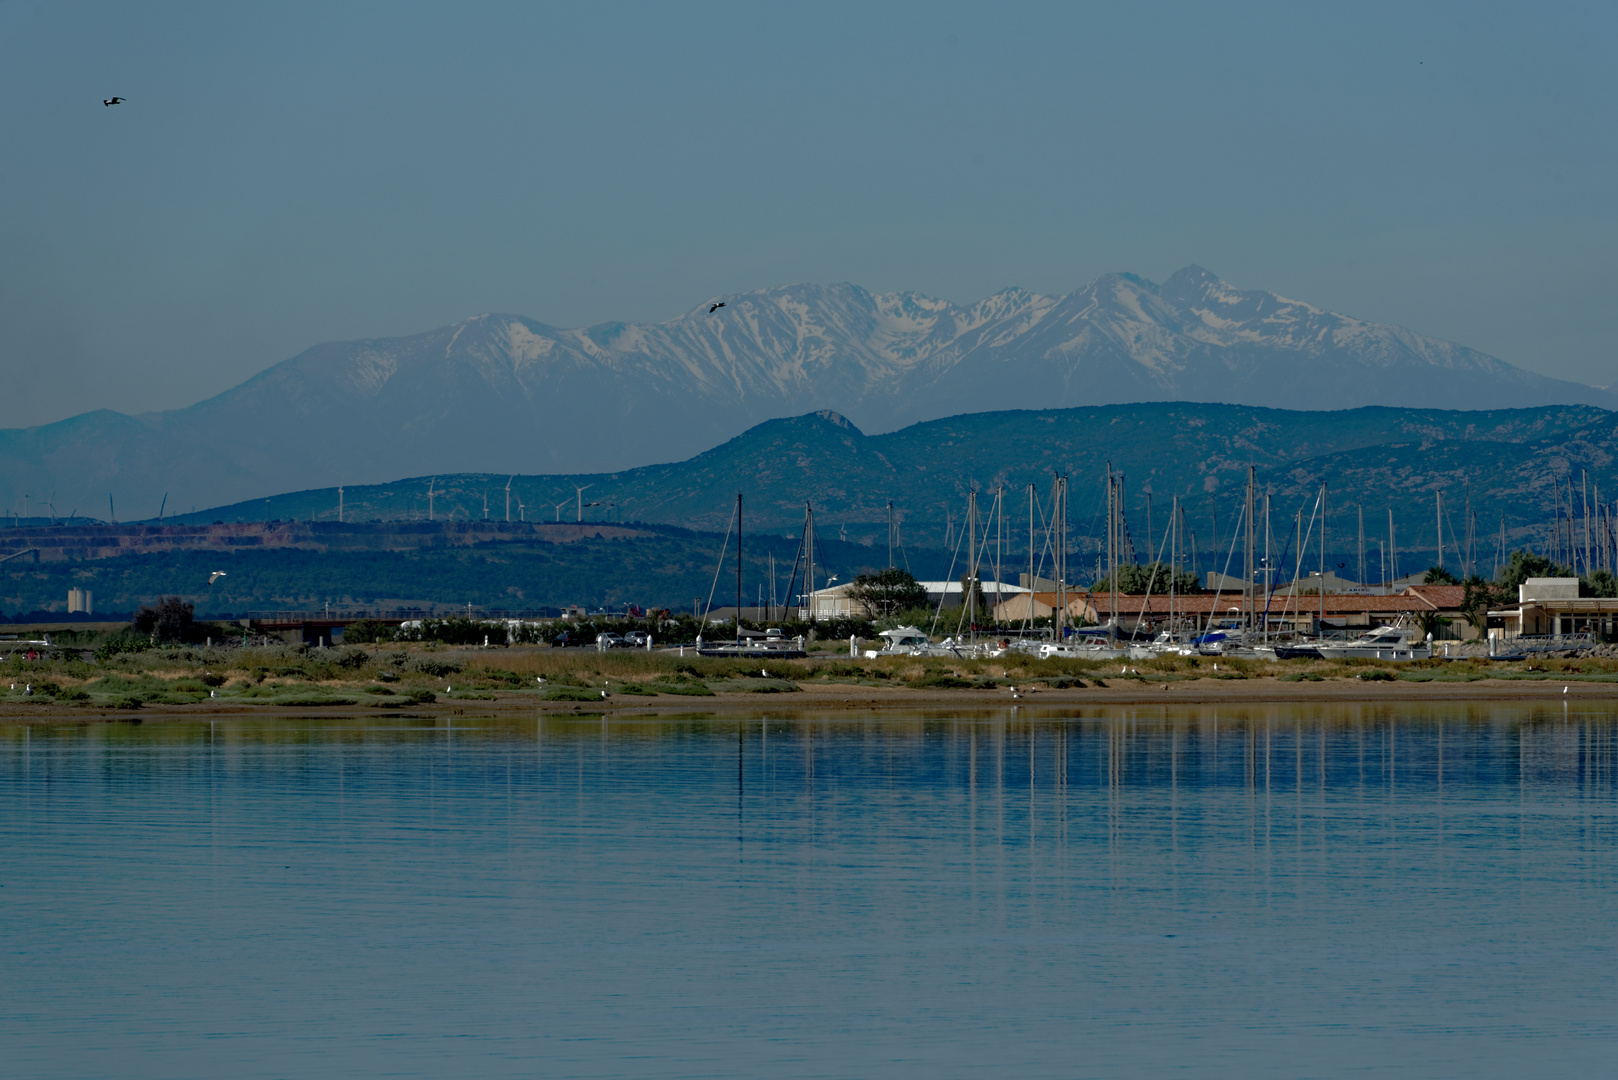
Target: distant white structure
x: 837, y: 603
x: 80, y: 600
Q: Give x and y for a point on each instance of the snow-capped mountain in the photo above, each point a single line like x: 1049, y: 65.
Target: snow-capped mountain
x: 502, y: 392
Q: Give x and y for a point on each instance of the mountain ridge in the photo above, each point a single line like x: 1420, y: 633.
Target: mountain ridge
x: 1388, y: 460
x: 500, y: 392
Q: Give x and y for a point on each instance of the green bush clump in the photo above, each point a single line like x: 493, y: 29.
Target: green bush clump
x: 572, y: 693
x: 117, y: 646
x: 348, y: 659
x: 687, y: 689
x: 500, y: 677
x: 636, y: 690
x: 436, y: 668
x: 1377, y: 676
x: 367, y: 631
x: 421, y: 697
x: 944, y: 682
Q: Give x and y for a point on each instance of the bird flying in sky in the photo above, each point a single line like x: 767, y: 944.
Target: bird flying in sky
x: 112, y: 101
x: 716, y: 307
x: 215, y: 576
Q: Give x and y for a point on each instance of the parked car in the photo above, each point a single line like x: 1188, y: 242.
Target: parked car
x: 566, y: 639
x: 609, y: 641
x: 636, y: 639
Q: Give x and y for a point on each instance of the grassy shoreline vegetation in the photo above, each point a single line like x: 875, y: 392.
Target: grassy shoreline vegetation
x: 414, y: 676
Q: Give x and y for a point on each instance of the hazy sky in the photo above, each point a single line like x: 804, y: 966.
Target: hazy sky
x: 283, y: 175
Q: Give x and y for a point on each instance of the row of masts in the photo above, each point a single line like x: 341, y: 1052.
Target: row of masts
x: 1584, y: 545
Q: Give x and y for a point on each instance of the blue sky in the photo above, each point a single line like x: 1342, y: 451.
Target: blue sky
x: 287, y: 174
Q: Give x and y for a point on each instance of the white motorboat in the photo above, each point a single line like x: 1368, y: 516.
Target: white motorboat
x: 1383, y: 643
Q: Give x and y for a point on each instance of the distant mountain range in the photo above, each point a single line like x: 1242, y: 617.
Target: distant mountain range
x: 1506, y: 465
x: 501, y: 393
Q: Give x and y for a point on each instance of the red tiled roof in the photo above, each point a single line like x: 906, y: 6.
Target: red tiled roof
x: 1445, y: 597
x: 1278, y: 605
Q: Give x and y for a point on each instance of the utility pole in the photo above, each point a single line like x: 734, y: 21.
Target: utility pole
x: 339, y: 504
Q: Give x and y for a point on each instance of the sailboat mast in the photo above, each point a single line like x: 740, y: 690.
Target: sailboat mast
x: 809, y: 549
x: 1393, y: 557
x: 1174, y: 557
x: 1323, y: 557
x: 1267, y: 569
x: 1032, y: 584
x: 1438, y: 504
x: 1361, y: 508
x: 738, y: 568
x: 890, y: 534
x: 1247, y: 585
x: 972, y: 560
x: 999, y: 545
x: 1584, y: 498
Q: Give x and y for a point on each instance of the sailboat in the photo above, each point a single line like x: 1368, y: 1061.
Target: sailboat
x: 751, y: 644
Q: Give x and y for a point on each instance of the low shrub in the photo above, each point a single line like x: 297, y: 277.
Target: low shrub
x: 636, y: 690
x: 434, y: 667
x: 1376, y: 676
x: 687, y: 689
x: 367, y: 631
x: 572, y: 693
x: 945, y: 682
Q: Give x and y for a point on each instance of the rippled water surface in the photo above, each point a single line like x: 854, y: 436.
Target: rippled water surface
x: 1418, y: 891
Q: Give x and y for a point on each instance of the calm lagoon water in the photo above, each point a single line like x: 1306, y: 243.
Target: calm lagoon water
x: 1253, y: 892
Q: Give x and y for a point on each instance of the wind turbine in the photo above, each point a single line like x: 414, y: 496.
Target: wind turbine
x: 508, y: 496
x: 579, y: 496
x: 430, y: 485
x: 559, y: 509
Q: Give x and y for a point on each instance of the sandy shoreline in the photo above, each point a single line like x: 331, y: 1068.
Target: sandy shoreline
x: 843, y: 697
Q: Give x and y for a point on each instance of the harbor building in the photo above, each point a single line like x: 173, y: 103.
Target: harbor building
x: 1553, y: 606
x: 837, y: 601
